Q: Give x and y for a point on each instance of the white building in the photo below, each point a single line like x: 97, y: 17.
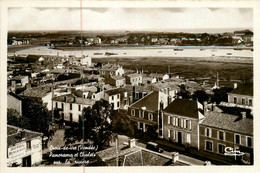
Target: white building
x: 24, y: 147
x: 87, y: 61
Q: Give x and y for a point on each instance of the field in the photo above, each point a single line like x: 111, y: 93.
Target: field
x: 191, y: 68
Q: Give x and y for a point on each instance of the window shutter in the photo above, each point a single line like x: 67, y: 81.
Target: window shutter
x: 169, y: 133
x: 168, y: 119
x: 177, y: 122
x: 189, y: 124
x: 210, y: 132
x: 181, y: 122
x: 174, y: 134
x: 173, y: 121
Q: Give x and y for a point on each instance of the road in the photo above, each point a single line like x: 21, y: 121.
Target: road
x: 192, y: 161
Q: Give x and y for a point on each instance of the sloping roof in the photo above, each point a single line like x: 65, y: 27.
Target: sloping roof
x: 183, y: 107
x: 117, y: 77
x: 244, y: 89
x: 15, y: 95
x: 13, y: 136
x: 136, y: 156
x: 150, y: 101
x: 37, y: 92
x: 229, y: 122
x: 70, y: 99
x: 19, y: 77
x: 134, y: 75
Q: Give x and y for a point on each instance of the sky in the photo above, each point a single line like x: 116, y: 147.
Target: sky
x: 129, y: 19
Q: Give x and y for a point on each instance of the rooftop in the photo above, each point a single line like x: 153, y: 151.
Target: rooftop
x: 19, y: 77
x: 136, y: 156
x: 74, y: 99
x: 37, y: 92
x: 229, y: 122
x: 117, y: 77
x: 150, y: 101
x: 134, y: 75
x: 13, y: 135
x: 183, y: 107
x: 244, y: 89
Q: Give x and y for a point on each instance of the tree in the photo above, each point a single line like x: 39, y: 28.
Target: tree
x: 200, y: 95
x: 220, y: 95
x: 184, y: 93
x: 97, y: 123
x: 122, y: 123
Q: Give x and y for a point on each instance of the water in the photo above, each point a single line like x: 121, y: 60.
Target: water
x: 163, y: 51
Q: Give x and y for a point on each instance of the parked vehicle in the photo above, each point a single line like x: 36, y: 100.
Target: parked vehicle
x: 154, y: 146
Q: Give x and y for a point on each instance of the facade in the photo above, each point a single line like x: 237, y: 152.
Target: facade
x: 87, y: 61
x: 219, y: 131
x: 242, y: 95
x: 14, y: 102
x: 69, y: 108
x: 24, y: 147
x: 145, y: 112
x: 134, y: 79
x: 113, y: 97
x: 117, y: 81
x: 20, y: 81
x: 181, y: 120
x: 111, y: 70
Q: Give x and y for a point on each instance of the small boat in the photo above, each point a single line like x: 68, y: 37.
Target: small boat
x: 178, y: 49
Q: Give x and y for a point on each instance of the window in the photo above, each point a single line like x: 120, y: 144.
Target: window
x: 188, y: 138
x: 250, y: 103
x: 56, y: 104
x: 137, y: 95
x: 70, y: 106
x: 208, y: 145
x: 176, y: 122
x: 112, y: 98
x: 79, y: 108
x: 118, y: 104
x: 243, y: 101
x: 208, y: 132
x: 133, y: 112
x: 28, y: 145
x: 185, y: 123
x: 221, y: 149
x: 141, y: 114
x: 190, y: 125
x: 125, y: 94
x: 118, y: 96
x: 62, y: 106
x: 150, y: 116
x: 179, y: 122
x: 237, y: 139
x: 249, y: 141
x: 235, y: 100
x: 221, y: 135
x: 171, y: 134
x: 171, y: 120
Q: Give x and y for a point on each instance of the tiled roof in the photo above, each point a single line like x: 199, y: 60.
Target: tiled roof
x: 117, y: 77
x: 244, y: 89
x: 15, y: 95
x: 229, y: 122
x: 115, y: 91
x: 19, y: 77
x: 136, y: 156
x: 38, y: 92
x: 70, y: 99
x: 183, y: 107
x: 13, y: 137
x: 134, y: 75
x: 150, y: 101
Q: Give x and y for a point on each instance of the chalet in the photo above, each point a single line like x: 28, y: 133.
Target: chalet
x: 134, y: 79
x: 220, y: 131
x: 24, y: 147
x: 69, y: 107
x: 181, y: 120
x: 111, y: 70
x: 145, y: 112
x: 116, y: 81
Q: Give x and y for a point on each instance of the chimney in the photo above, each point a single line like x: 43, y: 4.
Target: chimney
x: 235, y: 85
x: 175, y: 157
x: 132, y: 142
x: 21, y: 134
x: 213, y: 106
x: 243, y: 115
x: 205, y: 103
x: 207, y: 163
